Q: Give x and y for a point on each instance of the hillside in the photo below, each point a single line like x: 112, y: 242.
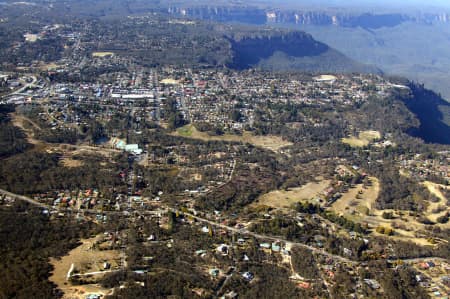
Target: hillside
x: 433, y: 113
x: 291, y: 51
x: 157, y: 40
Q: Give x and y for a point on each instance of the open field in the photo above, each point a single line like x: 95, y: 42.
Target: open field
x: 102, y: 54
x: 284, y: 199
x: 82, y: 257
x: 28, y: 127
x: 273, y: 143
x: 364, y: 138
x: 357, y: 200
x: 170, y: 81
x: 325, y: 78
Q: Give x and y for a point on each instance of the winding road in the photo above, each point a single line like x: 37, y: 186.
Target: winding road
x: 315, y: 250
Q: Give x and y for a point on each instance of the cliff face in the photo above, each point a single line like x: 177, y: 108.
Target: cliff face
x: 254, y: 15
x: 222, y: 14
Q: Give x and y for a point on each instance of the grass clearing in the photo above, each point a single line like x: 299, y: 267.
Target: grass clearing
x: 364, y: 138
x: 286, y: 198
x: 357, y: 200
x: 273, y: 143
x: 435, y: 190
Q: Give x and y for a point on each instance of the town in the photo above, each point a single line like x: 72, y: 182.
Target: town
x: 136, y: 164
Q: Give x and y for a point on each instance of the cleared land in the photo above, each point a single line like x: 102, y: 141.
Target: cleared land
x: 102, y: 54
x: 364, y: 138
x: 285, y: 199
x: 325, y: 78
x: 170, y: 81
x: 31, y: 37
x: 358, y: 205
x: 435, y: 190
x: 273, y: 143
x: 84, y: 258
x: 357, y: 200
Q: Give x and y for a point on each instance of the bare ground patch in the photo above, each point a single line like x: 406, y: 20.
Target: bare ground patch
x: 85, y: 258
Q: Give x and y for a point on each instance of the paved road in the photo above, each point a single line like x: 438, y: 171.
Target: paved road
x: 95, y: 273
x: 264, y: 237
x: 24, y: 198
x: 420, y: 260
x: 212, y: 223
x: 25, y: 86
x: 227, y: 228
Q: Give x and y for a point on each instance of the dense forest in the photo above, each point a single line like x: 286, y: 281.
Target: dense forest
x: 12, y: 139
x: 29, y: 238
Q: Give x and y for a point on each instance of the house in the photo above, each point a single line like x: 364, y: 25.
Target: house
x: 265, y: 245
x: 304, y: 285
x: 241, y: 241
x: 106, y: 265
x: 214, y: 272
x: 372, y: 283
x: 276, y: 247
x: 223, y: 249
x: 248, y: 276
x: 200, y: 252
